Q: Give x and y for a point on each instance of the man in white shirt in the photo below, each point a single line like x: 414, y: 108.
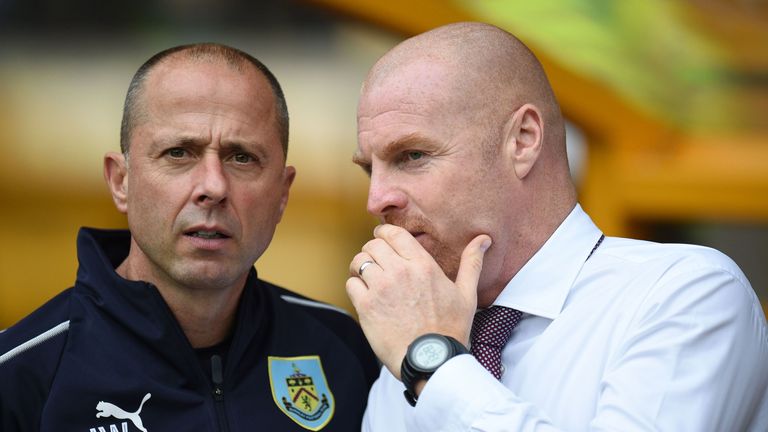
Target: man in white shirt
x: 464, y: 143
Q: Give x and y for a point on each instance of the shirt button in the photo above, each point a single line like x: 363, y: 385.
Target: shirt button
x: 503, y: 369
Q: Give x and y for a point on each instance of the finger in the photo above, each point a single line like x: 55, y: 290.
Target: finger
x: 400, y: 240
x: 357, y: 261
x: 363, y: 266
x: 382, y: 253
x: 356, y: 291
x: 472, y: 264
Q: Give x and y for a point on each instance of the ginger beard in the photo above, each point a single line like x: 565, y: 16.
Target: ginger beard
x: 446, y: 257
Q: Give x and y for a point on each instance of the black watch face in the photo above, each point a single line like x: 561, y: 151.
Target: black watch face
x: 429, y: 353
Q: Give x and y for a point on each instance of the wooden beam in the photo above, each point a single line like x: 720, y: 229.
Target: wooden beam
x: 595, y: 107
x: 693, y: 178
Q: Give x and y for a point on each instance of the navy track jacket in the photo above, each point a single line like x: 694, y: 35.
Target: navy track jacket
x: 107, y: 355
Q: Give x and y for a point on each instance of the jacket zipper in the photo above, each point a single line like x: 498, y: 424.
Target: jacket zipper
x: 217, y: 376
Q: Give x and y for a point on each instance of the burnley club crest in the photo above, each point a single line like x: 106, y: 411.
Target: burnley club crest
x: 300, y: 390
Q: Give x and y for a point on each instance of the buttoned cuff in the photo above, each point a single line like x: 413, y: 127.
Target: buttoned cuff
x: 456, y: 396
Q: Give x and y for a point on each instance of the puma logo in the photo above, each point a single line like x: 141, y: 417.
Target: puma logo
x: 106, y: 409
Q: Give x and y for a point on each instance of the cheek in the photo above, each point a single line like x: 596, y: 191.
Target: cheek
x: 258, y: 215
x: 153, y: 202
x: 258, y: 205
x: 467, y: 206
x: 456, y: 195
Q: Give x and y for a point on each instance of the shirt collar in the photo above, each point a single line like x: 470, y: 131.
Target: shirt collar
x: 542, y: 285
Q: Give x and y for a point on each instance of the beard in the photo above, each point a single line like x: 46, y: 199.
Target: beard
x: 446, y: 256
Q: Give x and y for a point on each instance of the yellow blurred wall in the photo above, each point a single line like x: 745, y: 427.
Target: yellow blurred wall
x: 312, y: 245
x: 60, y: 108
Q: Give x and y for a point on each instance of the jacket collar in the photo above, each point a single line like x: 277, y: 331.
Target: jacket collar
x: 138, y: 308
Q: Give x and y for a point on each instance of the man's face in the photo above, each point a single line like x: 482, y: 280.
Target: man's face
x: 206, y: 178
x: 426, y: 161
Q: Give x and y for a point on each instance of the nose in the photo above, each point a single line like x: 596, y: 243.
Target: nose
x: 385, y: 196
x: 211, y: 182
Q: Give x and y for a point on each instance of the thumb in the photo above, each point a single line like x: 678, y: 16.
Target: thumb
x: 472, y: 263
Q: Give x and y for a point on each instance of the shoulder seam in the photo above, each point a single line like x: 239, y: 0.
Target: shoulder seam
x: 35, y: 341
x: 312, y: 303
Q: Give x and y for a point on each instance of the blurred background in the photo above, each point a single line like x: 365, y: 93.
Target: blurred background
x: 667, y: 102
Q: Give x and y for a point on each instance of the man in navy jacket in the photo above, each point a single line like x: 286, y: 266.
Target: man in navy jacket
x: 167, y: 326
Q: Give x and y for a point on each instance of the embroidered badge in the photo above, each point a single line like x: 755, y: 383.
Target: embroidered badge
x: 301, y: 391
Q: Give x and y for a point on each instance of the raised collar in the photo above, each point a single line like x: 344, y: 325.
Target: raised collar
x: 543, y: 283
x: 139, y: 308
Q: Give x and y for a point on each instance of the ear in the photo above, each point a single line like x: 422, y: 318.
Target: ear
x: 524, y: 135
x: 116, y: 175
x: 289, y: 174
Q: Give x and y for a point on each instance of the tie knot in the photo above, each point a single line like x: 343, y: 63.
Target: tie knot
x: 493, y: 326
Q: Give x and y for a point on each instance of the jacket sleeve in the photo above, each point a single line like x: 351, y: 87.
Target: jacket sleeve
x: 30, y: 353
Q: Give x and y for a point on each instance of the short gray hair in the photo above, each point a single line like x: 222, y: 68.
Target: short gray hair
x: 231, y: 56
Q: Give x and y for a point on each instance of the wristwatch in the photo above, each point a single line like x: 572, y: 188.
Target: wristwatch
x: 424, y: 356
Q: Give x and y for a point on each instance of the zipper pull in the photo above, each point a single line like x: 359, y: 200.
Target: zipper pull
x: 217, y: 375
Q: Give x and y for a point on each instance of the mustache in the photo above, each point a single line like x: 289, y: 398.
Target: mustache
x: 412, y: 224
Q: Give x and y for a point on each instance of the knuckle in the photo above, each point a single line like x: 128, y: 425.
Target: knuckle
x: 374, y: 244
x: 472, y: 258
x: 355, y: 292
x: 358, y: 258
x: 400, y: 234
x: 370, y: 245
x: 353, y: 267
x: 389, y: 231
x: 475, y: 262
x: 350, y: 287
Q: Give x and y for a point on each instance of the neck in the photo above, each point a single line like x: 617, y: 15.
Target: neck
x: 205, y: 319
x: 520, y: 246
x: 206, y: 316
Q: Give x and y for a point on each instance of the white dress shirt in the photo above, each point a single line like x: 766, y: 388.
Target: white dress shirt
x: 640, y: 336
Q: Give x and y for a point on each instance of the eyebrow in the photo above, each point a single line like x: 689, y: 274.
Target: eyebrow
x: 197, y: 141
x: 177, y: 140
x: 181, y: 139
x: 234, y: 147
x: 403, y: 143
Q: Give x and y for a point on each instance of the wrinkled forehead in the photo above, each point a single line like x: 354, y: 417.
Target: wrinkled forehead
x: 203, y: 79
x: 197, y: 97
x: 412, y: 106
x: 423, y: 87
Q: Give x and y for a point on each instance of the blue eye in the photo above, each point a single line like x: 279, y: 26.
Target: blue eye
x: 177, y: 153
x: 242, y: 158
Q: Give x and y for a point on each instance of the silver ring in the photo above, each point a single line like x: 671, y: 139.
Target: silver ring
x: 363, y: 266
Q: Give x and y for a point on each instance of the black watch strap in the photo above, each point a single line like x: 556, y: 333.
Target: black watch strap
x: 411, y: 374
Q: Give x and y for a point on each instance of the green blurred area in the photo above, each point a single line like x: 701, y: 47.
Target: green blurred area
x: 682, y: 62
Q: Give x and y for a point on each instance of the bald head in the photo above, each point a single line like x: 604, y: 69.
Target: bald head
x: 490, y: 73
x: 134, y: 109
x: 462, y: 121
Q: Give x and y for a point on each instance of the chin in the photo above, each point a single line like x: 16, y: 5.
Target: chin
x: 207, y: 278
x: 449, y: 265
x: 445, y: 257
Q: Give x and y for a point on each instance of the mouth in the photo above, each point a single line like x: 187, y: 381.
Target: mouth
x: 416, y: 226
x: 423, y: 238
x: 207, y: 234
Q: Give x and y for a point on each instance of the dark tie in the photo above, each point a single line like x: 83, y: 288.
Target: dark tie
x: 491, y: 329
